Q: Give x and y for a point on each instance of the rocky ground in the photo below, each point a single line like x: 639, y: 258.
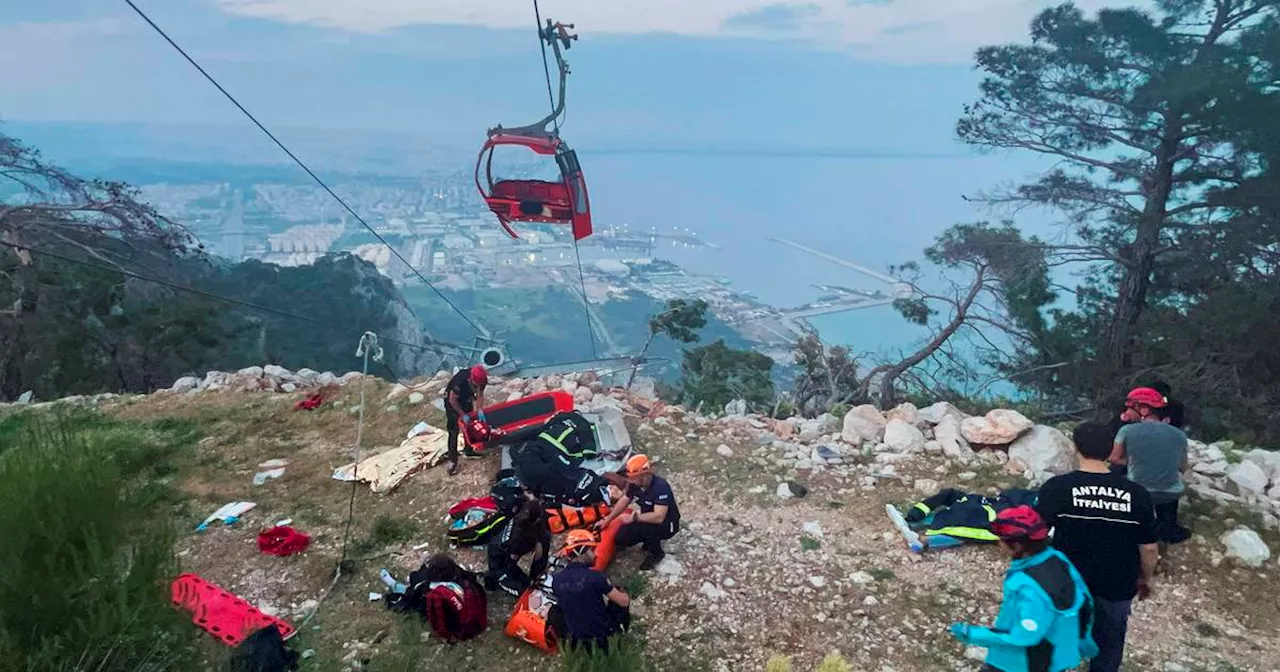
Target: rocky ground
x: 786, y: 547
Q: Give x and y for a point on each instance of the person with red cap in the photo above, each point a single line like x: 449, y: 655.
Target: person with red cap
x: 659, y: 515
x: 1045, y: 623
x: 463, y: 395
x: 1154, y: 455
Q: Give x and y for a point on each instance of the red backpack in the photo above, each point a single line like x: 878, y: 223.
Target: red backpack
x: 457, y: 615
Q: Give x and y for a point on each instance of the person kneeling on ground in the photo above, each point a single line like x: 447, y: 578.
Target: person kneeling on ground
x: 1046, y: 617
x: 591, y: 607
x: 526, y: 533
x: 659, y: 516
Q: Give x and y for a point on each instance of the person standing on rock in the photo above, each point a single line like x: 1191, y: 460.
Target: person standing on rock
x: 1155, y: 453
x: 462, y: 396
x: 1046, y: 615
x: 1105, y: 524
x: 659, y: 516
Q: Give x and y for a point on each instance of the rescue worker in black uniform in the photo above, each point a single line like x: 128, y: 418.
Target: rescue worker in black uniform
x: 658, y: 518
x: 463, y: 396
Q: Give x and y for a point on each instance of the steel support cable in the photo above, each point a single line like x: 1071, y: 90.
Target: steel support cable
x: 478, y: 329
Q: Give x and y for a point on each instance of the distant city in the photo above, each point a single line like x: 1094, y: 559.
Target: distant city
x: 442, y: 228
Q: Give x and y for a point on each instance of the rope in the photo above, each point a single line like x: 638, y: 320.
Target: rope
x: 546, y: 69
x: 368, y: 349
x: 443, y: 348
x: 303, y: 166
x: 586, y: 305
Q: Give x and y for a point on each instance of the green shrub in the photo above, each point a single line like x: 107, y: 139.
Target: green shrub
x: 834, y: 662
x: 87, y: 553
x: 625, y: 654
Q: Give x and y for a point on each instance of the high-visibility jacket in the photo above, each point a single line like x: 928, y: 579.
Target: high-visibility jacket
x: 965, y: 515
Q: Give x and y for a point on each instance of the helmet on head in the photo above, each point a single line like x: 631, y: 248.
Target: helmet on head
x: 1020, y: 522
x: 638, y: 464
x: 578, y: 541
x: 479, y: 375
x: 1145, y: 396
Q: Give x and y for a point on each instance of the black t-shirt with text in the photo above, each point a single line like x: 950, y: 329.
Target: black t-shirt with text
x: 1099, y: 521
x: 460, y: 383
x: 657, y: 494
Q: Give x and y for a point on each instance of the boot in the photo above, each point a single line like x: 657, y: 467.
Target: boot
x: 652, y: 559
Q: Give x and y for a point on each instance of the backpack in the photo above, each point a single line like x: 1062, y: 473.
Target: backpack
x: 456, y: 611
x: 473, y: 522
x: 264, y: 651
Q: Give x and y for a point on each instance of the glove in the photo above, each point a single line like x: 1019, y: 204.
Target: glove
x: 960, y: 631
x: 481, y: 416
x: 466, y: 418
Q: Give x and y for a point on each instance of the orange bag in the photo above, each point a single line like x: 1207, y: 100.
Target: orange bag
x: 528, y: 622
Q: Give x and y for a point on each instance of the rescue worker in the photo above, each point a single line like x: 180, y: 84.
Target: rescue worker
x: 658, y: 518
x: 591, y: 607
x: 1045, y: 622
x: 1154, y: 455
x: 526, y: 533
x: 463, y: 396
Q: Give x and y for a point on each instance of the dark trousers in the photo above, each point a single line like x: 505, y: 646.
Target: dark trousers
x: 1168, y: 529
x: 619, y: 617
x: 451, y: 426
x: 1110, y: 625
x: 650, y: 534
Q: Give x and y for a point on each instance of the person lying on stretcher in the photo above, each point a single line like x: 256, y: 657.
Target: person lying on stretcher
x: 658, y: 518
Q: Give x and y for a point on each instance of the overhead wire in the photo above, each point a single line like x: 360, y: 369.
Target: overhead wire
x: 478, y: 329
x: 551, y: 100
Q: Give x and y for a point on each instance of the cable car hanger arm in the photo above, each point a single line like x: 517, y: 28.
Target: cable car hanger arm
x: 555, y: 34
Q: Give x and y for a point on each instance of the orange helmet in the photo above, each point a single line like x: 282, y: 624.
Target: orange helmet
x: 638, y: 464
x: 578, y: 541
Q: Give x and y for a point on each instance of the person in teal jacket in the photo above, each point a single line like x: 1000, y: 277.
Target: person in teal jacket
x: 1045, y: 622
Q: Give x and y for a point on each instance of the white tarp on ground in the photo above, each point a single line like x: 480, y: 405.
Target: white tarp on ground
x: 388, y: 469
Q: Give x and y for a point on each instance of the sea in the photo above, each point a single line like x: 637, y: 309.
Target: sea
x: 874, y: 211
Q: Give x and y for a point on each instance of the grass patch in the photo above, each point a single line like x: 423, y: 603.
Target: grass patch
x: 1205, y: 630
x: 808, y: 543
x: 881, y: 574
x: 88, y: 541
x: 625, y: 654
x: 833, y: 504
x: 635, y: 584
x: 387, y: 530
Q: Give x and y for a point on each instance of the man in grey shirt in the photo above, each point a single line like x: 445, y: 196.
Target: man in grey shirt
x: 1156, y: 454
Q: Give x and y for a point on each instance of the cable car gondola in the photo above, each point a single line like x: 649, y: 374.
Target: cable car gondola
x: 539, y: 201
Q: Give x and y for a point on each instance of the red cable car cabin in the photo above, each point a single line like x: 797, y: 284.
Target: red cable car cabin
x: 538, y: 201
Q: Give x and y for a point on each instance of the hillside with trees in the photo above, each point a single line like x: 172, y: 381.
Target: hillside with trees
x: 95, y: 295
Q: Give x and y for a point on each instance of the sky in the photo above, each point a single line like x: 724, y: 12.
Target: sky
x: 828, y: 121
x: 887, y: 74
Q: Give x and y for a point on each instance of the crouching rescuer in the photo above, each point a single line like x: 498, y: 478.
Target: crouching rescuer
x: 658, y: 518
x: 592, y: 609
x: 1045, y: 622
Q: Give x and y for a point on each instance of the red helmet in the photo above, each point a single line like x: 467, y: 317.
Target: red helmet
x: 479, y: 375
x: 1146, y: 397
x: 1019, y: 522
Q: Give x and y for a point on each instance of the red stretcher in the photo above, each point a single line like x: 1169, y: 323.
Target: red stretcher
x: 510, y: 417
x: 220, y: 613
